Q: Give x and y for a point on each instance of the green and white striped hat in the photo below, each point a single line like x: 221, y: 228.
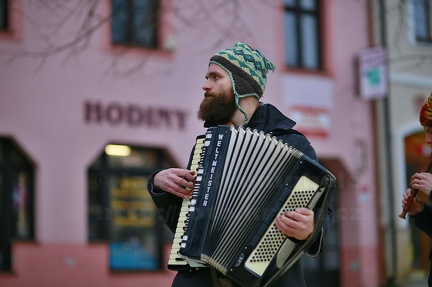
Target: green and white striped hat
x: 248, y: 70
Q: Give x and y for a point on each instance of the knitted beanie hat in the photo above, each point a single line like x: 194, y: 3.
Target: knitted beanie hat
x: 426, y: 113
x: 248, y: 70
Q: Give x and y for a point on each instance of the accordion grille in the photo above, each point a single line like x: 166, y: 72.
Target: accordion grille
x: 301, y: 196
x: 273, y: 238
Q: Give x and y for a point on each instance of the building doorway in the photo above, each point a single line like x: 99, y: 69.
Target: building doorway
x: 16, y: 199
x: 324, y: 270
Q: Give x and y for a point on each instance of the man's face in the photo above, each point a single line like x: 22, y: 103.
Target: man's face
x: 217, y: 107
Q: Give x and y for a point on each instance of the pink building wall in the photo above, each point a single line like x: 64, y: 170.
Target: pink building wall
x: 42, y: 106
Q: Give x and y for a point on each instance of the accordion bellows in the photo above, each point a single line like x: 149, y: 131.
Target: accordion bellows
x: 244, y: 180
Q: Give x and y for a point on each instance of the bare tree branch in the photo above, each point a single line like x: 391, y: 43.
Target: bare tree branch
x: 70, y: 27
x: 83, y: 11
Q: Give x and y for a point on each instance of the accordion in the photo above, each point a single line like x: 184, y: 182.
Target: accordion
x: 244, y: 180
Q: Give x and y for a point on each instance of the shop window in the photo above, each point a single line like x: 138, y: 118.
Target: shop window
x: 423, y: 20
x: 135, y: 23
x: 121, y: 212
x: 16, y: 200
x: 303, y: 49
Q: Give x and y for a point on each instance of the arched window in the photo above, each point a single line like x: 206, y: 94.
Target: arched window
x: 16, y: 199
x: 121, y: 212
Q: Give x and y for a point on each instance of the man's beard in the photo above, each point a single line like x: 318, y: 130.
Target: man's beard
x: 217, y: 109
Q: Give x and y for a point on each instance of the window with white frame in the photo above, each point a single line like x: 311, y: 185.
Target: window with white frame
x: 135, y: 23
x: 423, y: 20
x: 303, y: 48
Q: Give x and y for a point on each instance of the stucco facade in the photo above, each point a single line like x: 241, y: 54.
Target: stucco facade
x: 63, y: 108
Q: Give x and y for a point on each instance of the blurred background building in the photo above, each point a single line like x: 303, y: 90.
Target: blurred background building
x: 403, y: 28
x: 96, y: 95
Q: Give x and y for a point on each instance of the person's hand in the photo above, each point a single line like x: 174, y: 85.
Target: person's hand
x: 422, y: 181
x: 298, y: 223
x: 416, y: 204
x: 177, y: 181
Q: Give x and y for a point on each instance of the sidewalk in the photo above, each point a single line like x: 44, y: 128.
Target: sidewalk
x: 418, y: 279
x: 416, y: 283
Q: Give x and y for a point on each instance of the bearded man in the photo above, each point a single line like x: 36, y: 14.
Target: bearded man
x: 236, y: 80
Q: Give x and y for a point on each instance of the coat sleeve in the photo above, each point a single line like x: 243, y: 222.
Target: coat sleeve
x: 423, y: 220
x: 167, y: 204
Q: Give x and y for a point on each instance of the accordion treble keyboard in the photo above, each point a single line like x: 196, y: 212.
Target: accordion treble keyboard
x: 176, y: 261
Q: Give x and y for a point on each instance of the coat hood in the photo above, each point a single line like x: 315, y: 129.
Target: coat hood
x: 269, y: 119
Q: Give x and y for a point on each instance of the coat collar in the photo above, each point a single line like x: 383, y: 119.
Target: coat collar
x: 269, y: 119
